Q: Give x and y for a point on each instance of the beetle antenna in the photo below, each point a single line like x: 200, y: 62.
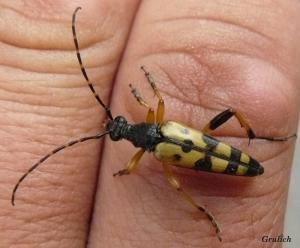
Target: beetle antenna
x: 107, y: 110
x: 71, y: 143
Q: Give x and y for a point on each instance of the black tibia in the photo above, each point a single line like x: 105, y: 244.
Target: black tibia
x: 220, y: 119
x: 224, y: 116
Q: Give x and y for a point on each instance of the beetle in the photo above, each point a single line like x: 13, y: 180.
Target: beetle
x: 171, y: 142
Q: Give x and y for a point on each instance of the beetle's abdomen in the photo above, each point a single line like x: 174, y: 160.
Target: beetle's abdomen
x: 190, y: 148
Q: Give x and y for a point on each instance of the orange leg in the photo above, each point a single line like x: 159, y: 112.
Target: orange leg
x: 176, y: 184
x: 132, y: 164
x: 161, y: 105
x: 151, y: 115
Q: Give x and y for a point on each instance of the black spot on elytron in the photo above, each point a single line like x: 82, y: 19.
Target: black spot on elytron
x: 210, y: 142
x: 184, y: 131
x: 187, y: 146
x: 203, y: 164
x: 231, y: 168
x: 177, y: 157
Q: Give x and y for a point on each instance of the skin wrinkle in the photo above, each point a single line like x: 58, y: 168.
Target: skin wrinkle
x: 50, y: 22
x: 54, y: 129
x: 48, y: 114
x: 218, y: 21
x: 215, y: 51
x: 43, y: 140
x: 265, y: 216
x: 19, y: 64
x: 59, y: 73
x: 32, y: 95
x: 23, y: 14
x: 44, y: 89
x: 277, y: 203
x: 54, y: 79
x: 21, y: 45
x: 173, y: 82
x: 279, y: 62
x: 270, y: 227
x: 210, y: 45
x: 59, y: 106
x: 164, y: 228
x: 172, y: 96
x: 89, y: 45
x: 251, y: 56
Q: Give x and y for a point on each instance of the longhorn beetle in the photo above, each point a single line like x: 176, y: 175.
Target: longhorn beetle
x: 171, y: 142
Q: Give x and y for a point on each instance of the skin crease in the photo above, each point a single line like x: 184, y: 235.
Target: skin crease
x: 205, y: 57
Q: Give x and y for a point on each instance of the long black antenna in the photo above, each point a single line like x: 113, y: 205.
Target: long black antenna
x: 107, y: 110
x: 71, y: 143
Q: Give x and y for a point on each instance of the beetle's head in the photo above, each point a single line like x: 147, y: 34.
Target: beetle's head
x: 115, y: 127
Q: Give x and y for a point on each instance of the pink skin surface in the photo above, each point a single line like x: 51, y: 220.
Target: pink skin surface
x: 206, y: 56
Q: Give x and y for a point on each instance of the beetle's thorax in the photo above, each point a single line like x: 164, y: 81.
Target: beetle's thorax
x: 142, y: 135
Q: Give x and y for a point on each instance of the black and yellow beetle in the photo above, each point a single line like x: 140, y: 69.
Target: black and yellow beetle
x: 172, y: 143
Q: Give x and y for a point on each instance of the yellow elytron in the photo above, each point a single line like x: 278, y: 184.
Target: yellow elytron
x: 172, y: 143
x: 190, y: 148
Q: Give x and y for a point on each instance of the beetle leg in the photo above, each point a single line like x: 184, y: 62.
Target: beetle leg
x: 227, y: 114
x: 150, y: 116
x: 161, y: 105
x: 132, y: 164
x: 176, y: 184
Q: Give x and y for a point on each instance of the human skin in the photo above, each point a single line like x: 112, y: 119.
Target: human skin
x: 205, y: 57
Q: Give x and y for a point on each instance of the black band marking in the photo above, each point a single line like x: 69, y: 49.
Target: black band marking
x: 235, y: 155
x: 203, y: 164
x: 231, y: 168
